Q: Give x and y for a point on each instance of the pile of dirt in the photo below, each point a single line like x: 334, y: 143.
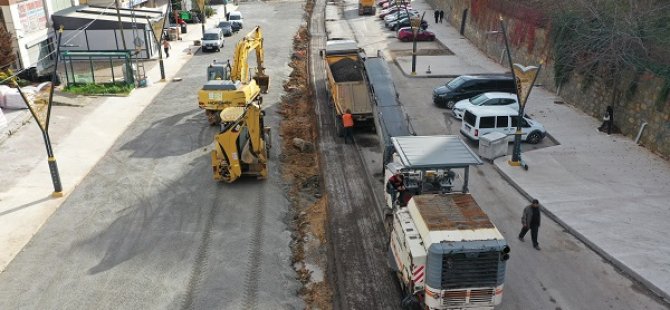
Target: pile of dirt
x: 346, y: 70
x: 300, y: 169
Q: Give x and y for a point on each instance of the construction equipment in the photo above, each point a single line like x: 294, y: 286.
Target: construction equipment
x: 444, y: 249
x: 243, y: 144
x: 347, y: 84
x: 366, y: 7
x: 237, y: 88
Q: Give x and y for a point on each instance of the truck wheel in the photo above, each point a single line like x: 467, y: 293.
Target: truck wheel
x: 339, y: 127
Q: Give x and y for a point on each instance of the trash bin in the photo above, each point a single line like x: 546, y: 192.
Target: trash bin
x: 183, y: 28
x: 493, y: 145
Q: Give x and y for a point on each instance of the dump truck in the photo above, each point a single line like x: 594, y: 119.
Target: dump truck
x: 444, y: 249
x: 347, y: 84
x: 366, y: 7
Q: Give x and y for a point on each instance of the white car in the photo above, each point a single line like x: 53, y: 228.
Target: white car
x: 496, y: 99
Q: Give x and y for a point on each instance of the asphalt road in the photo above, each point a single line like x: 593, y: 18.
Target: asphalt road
x: 565, y: 274
x: 148, y: 228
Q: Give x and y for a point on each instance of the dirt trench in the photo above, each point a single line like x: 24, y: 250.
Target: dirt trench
x: 300, y: 169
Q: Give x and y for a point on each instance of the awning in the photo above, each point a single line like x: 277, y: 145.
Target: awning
x: 424, y: 152
x: 74, y: 18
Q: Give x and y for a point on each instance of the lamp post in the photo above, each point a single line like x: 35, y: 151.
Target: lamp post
x: 43, y: 122
x: 415, y: 23
x: 524, y: 79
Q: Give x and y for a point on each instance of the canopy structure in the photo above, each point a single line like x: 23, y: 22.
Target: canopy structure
x: 97, y: 29
x: 434, y: 152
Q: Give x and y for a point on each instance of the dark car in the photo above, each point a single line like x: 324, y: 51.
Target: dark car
x: 405, y: 34
x: 468, y: 86
x: 227, y: 28
x: 405, y: 22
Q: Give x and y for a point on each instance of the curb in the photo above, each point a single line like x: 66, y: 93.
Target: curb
x: 15, y: 124
x: 630, y: 273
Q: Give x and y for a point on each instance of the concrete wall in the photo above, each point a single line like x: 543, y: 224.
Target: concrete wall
x: 529, y: 46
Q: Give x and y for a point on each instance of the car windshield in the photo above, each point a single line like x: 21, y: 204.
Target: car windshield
x: 224, y: 24
x: 211, y: 36
x: 234, y: 17
x: 479, y: 99
x: 455, y: 83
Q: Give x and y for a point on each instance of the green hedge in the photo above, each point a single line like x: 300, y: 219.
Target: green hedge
x: 100, y: 89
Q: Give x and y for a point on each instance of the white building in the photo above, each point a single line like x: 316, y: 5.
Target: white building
x: 31, y: 24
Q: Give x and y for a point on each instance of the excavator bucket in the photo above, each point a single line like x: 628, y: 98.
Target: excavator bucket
x: 263, y: 82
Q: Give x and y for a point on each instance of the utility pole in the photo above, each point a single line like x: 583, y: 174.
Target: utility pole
x: 118, y: 15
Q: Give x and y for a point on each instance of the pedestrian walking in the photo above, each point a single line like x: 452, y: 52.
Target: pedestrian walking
x: 531, y: 221
x: 441, y: 15
x: 608, y: 119
x: 166, y: 48
x: 348, y: 123
x: 437, y: 15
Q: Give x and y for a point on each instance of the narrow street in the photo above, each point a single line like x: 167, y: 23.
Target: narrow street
x: 148, y: 228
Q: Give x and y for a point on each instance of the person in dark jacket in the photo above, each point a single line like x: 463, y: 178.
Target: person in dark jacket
x: 437, y: 15
x: 531, y: 221
x: 608, y: 119
x: 441, y: 15
x: 396, y: 185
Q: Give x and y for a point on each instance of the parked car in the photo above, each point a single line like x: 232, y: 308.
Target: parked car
x: 405, y: 22
x: 227, y: 28
x: 212, y: 39
x: 393, y: 9
x: 399, y: 15
x: 478, y: 121
x: 236, y: 20
x: 468, y: 86
x: 392, y: 4
x: 497, y: 99
x: 405, y: 34
x: 389, y: 3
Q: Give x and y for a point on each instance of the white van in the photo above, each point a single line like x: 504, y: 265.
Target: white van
x: 478, y: 121
x: 213, y: 39
x: 236, y: 20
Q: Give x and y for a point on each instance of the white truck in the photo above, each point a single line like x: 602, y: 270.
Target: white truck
x: 444, y: 249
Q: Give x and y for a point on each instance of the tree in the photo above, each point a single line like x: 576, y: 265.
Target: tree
x: 608, y: 39
x: 7, y: 55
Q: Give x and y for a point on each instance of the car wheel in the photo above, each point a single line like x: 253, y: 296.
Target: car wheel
x: 450, y: 104
x: 405, y: 39
x: 432, y: 38
x: 534, y: 137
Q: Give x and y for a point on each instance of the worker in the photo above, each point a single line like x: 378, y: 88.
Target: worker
x: 396, y: 185
x: 348, y: 123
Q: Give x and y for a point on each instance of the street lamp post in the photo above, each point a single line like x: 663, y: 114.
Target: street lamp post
x: 415, y: 23
x: 43, y: 123
x: 524, y: 79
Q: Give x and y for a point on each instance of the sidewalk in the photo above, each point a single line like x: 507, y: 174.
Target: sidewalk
x: 25, y: 198
x: 610, y: 193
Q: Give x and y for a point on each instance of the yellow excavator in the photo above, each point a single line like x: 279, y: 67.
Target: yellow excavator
x: 243, y: 144
x: 235, y: 87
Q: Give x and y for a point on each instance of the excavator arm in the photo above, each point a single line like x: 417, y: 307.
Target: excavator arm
x: 240, y: 68
x: 242, y: 146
